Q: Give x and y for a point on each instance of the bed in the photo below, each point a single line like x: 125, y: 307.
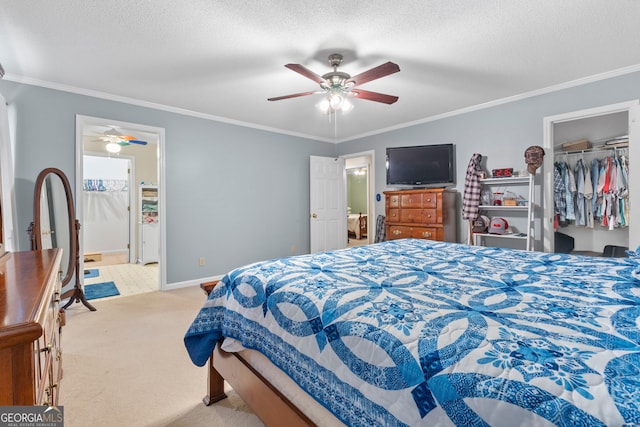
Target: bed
x: 357, y: 225
x: 416, y: 332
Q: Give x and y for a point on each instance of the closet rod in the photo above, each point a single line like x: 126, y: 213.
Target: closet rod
x: 594, y: 149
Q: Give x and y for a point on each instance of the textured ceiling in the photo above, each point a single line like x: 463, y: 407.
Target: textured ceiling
x: 223, y: 59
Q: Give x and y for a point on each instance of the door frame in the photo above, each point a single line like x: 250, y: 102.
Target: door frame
x: 371, y: 189
x: 633, y: 110
x: 83, y: 122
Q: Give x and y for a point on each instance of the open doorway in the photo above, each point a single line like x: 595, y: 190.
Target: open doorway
x: 359, y: 172
x: 115, y: 161
x: 106, y: 200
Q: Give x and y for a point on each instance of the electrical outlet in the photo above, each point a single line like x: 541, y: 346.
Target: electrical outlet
x: 293, y: 249
x: 201, y: 261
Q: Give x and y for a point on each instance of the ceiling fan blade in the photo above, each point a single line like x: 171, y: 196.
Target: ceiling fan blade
x: 125, y: 142
x: 374, y: 73
x: 373, y: 96
x: 295, y: 95
x: 301, y: 69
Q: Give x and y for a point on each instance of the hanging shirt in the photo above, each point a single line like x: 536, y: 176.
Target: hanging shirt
x: 560, y: 192
x: 599, y: 213
x: 559, y: 201
x: 624, y: 189
x: 588, y: 195
x: 595, y: 173
x: 581, y: 213
x: 472, y: 189
x: 570, y: 187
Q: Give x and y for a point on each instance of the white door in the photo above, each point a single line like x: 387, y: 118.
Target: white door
x: 328, y: 205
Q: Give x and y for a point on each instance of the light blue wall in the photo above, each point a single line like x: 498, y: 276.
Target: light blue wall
x: 233, y: 194
x: 236, y: 195
x: 500, y: 133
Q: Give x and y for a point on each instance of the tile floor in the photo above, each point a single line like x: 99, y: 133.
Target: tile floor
x: 129, y: 278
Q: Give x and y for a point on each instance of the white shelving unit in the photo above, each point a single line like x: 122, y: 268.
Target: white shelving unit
x: 507, y: 212
x: 148, y: 241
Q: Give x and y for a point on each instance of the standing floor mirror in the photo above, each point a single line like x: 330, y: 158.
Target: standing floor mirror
x: 55, y: 226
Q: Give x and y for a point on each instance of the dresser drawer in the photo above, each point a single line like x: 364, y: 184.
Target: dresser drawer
x: 47, y: 353
x: 418, y: 200
x: 416, y: 216
x: 430, y: 216
x: 405, y: 232
x: 411, y: 201
x: 411, y: 215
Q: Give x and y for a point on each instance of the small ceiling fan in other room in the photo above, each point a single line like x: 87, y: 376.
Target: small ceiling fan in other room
x: 337, y: 85
x: 114, y: 136
x: 115, y: 140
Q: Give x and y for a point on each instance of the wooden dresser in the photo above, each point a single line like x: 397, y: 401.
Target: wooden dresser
x: 30, y: 323
x: 428, y: 213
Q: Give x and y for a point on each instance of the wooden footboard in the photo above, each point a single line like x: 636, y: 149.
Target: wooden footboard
x: 363, y: 225
x: 273, y: 408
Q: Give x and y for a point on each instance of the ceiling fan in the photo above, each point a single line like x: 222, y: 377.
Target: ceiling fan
x: 113, y: 136
x: 114, y: 140
x: 337, y: 85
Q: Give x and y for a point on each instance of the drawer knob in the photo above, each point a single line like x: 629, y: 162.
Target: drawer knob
x: 397, y: 232
x: 426, y: 234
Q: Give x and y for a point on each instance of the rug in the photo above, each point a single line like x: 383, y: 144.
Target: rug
x: 100, y: 290
x: 93, y: 272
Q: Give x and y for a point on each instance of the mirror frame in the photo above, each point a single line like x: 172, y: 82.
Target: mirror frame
x: 36, y: 241
x: 77, y: 293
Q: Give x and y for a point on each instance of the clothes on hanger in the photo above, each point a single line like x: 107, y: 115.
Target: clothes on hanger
x: 592, y: 193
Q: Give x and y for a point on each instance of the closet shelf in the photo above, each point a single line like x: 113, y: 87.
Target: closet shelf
x: 503, y: 208
x: 599, y: 148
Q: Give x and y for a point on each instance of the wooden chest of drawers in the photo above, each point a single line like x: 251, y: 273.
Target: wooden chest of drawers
x: 428, y: 213
x: 30, y: 323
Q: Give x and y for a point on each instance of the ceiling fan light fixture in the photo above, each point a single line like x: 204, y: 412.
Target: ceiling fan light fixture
x: 324, y: 106
x: 335, y: 101
x: 346, y: 106
x: 113, y: 147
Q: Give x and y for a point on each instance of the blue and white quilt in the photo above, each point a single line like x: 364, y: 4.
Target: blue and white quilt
x: 417, y: 332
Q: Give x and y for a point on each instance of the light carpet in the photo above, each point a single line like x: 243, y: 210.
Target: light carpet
x: 125, y: 364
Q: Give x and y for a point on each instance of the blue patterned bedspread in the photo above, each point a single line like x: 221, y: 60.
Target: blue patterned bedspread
x: 417, y: 332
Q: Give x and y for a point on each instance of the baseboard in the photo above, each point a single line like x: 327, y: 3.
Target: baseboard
x: 188, y: 283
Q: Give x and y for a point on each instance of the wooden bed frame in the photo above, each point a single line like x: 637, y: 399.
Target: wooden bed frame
x: 362, y: 225
x: 271, y: 406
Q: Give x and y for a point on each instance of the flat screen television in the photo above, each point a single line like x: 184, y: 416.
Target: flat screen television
x: 421, y: 165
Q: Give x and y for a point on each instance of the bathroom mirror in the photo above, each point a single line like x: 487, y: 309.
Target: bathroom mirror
x: 55, y: 226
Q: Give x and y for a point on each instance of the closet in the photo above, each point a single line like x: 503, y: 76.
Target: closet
x: 589, y: 179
